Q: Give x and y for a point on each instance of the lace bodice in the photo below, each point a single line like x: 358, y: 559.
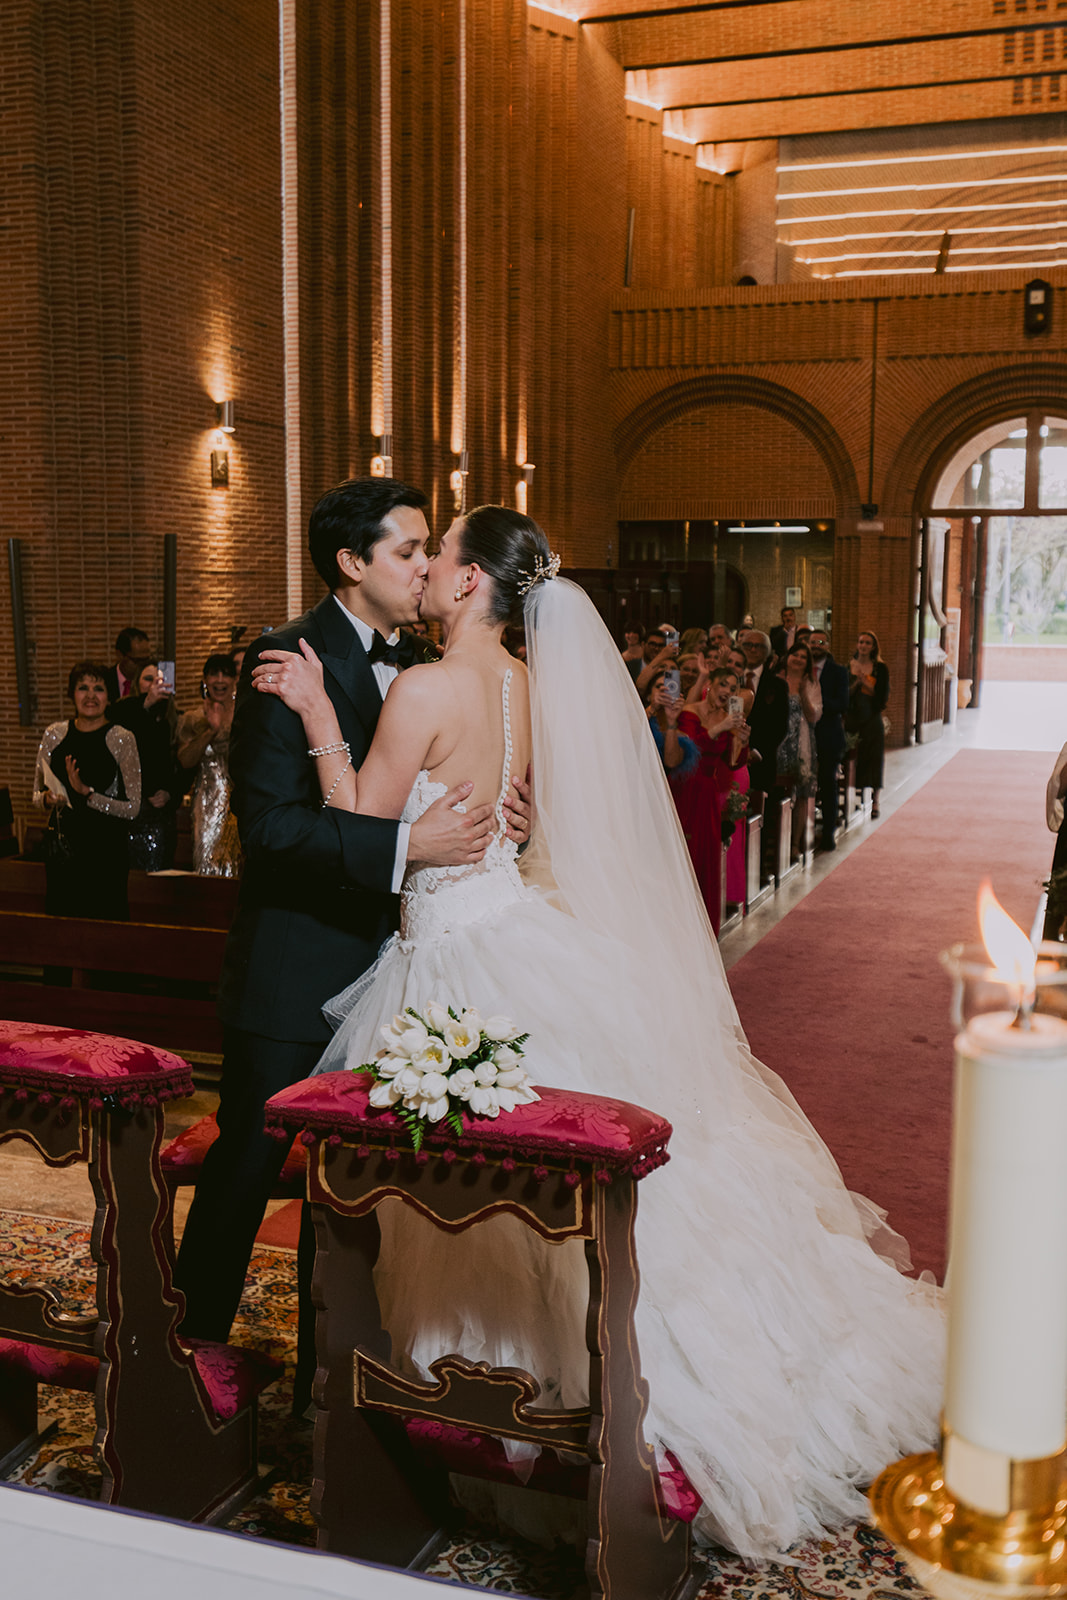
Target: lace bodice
x: 435, y: 899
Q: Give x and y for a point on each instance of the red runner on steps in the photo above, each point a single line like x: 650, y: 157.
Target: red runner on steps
x: 846, y: 999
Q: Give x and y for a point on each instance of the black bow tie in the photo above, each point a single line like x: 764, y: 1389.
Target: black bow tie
x: 380, y: 651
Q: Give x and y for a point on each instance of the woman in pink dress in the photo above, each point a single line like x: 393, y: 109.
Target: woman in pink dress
x: 721, y: 736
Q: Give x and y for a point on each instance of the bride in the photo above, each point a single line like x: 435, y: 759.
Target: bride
x: 788, y: 1358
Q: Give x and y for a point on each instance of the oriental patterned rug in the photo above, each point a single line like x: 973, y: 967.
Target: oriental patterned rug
x: 858, y: 1563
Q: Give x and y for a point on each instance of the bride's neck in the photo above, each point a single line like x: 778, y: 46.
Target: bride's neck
x: 469, y: 631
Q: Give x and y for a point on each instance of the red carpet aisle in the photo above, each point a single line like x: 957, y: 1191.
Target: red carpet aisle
x: 846, y: 999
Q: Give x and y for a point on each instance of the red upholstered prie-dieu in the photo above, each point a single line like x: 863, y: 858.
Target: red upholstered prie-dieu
x: 46, y: 1061
x: 564, y: 1125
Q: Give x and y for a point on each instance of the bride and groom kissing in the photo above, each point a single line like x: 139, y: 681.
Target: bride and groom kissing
x: 787, y: 1361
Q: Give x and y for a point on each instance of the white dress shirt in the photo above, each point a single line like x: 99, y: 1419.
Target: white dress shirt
x: 384, y: 673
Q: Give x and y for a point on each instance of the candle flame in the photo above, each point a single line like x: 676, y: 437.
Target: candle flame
x: 1009, y: 949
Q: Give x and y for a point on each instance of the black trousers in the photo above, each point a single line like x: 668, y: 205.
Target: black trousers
x: 828, y: 775
x: 239, y: 1172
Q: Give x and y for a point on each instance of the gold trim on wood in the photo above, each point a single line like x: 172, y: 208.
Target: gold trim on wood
x: 469, y: 1394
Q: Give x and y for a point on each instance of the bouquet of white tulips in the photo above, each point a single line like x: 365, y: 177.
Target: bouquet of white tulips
x: 443, y: 1062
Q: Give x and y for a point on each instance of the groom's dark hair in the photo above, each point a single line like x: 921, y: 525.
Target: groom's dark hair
x: 350, y: 516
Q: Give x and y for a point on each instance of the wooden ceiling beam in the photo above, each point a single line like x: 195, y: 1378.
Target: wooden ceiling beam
x: 890, y: 108
x: 784, y: 28
x: 874, y: 69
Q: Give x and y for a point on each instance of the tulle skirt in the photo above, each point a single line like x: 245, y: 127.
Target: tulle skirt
x: 788, y: 1360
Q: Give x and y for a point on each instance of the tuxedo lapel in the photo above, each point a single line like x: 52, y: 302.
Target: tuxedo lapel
x: 345, y: 659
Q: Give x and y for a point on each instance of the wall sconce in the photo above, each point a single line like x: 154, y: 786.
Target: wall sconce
x: 220, y: 469
x: 225, y: 415
x: 527, y: 469
x: 457, y: 481
x: 381, y: 466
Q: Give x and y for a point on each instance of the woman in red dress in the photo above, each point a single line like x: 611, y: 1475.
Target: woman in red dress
x: 721, y: 736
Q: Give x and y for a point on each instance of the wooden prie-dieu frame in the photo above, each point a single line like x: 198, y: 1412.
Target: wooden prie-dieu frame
x: 176, y: 1420
x: 567, y: 1166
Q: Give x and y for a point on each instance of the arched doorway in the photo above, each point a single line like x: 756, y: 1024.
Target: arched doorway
x: 992, y: 594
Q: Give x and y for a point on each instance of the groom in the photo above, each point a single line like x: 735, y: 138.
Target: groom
x: 318, y: 894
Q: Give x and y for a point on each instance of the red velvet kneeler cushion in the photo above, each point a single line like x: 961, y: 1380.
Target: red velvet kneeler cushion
x: 183, y: 1158
x: 611, y: 1136
x: 232, y: 1377
x: 481, y: 1455
x: 73, y: 1063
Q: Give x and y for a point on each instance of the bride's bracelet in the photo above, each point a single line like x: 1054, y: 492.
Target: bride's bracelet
x: 336, y: 781
x: 331, y: 749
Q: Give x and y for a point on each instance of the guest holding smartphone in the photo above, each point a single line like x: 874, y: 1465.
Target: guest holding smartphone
x: 721, y: 734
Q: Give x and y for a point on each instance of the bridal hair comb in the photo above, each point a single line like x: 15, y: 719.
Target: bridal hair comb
x: 543, y: 570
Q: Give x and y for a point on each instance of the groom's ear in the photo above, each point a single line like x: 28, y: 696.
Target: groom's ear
x: 350, y: 566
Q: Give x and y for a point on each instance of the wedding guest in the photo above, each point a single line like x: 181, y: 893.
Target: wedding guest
x: 721, y: 737
x: 149, y: 716
x: 88, y: 779
x: 797, y: 756
x: 132, y: 652
x: 735, y: 657
x: 677, y: 752
x: 719, y: 634
x: 782, y: 636
x: 690, y: 670
x: 868, y: 698
x: 633, y: 648
x: 204, y: 745
x: 833, y: 681
x: 797, y: 759
x: 692, y: 640
x: 656, y: 654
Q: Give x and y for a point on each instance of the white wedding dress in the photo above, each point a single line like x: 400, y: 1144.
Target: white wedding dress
x: 787, y: 1360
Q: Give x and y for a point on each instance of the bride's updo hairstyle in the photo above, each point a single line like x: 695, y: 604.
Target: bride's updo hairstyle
x: 507, y: 546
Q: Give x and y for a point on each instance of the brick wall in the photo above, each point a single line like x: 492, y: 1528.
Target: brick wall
x: 141, y: 286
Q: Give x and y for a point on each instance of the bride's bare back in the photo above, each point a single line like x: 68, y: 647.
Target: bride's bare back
x: 448, y: 718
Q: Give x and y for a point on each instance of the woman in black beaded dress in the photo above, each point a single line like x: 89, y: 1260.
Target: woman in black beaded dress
x: 148, y: 713
x: 88, y: 769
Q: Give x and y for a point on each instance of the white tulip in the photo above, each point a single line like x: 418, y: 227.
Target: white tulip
x: 511, y: 1077
x: 433, y: 1057
x: 462, y: 1081
x: 408, y: 1080
x: 433, y: 1085
x: 436, y: 1014
x: 389, y: 1066
x: 505, y: 1057
x: 485, y: 1072
x: 484, y: 1103
x: 432, y: 1110
x: 383, y: 1095
x: 500, y: 1029
x: 461, y: 1039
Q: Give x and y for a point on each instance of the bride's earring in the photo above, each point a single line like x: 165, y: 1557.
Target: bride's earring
x: 459, y: 594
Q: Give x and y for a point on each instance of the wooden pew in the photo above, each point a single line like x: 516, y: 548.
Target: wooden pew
x: 154, y: 977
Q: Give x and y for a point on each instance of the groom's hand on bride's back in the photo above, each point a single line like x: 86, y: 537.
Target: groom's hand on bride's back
x: 445, y: 837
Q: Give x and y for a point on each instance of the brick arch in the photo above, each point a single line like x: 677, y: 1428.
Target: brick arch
x: 695, y: 394
x: 959, y: 414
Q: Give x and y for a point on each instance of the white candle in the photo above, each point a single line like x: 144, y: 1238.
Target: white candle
x: 1006, y: 1382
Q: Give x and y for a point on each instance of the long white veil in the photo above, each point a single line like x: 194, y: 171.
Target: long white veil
x: 608, y: 845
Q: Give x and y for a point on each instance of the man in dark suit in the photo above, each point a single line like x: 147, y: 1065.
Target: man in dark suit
x: 783, y: 635
x: 318, y: 894
x: 132, y: 654
x: 833, y: 682
x: 769, y: 717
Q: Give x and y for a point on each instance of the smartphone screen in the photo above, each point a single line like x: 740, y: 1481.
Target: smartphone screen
x: 166, y: 672
x: 672, y: 682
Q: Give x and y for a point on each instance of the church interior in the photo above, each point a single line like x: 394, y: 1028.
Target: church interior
x: 750, y: 304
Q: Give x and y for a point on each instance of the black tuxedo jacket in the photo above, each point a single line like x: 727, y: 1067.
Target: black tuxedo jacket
x: 834, y: 685
x: 769, y: 720
x: 315, y: 901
